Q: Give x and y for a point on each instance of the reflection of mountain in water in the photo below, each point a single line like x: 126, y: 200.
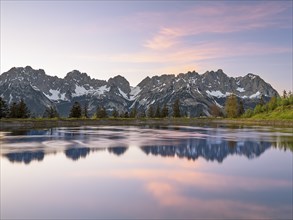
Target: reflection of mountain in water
x: 194, y: 148
x: 77, y: 153
x: 26, y: 156
x: 117, y: 150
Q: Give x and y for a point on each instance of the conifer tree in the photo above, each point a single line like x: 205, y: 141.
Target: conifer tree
x: 23, y: 111
x: 158, y: 112
x: 13, y: 110
x: 142, y: 114
x: 261, y: 101
x: 18, y: 110
x: 85, y: 110
x: 240, y: 108
x: 50, y: 112
x: 176, y: 109
x: 115, y: 113
x: 150, y: 112
x: 284, y: 94
x: 75, y: 111
x: 272, y: 104
x: 231, y: 106
x: 126, y: 115
x: 101, y: 112
x: 133, y: 112
x: 3, y: 108
x: 165, y: 111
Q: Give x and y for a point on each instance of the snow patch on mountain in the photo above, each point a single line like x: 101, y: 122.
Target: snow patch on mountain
x: 123, y: 93
x: 239, y: 89
x: 55, y: 95
x: 101, y: 90
x: 256, y: 95
x: 217, y: 93
x: 134, y: 92
x: 79, y: 91
x: 251, y: 76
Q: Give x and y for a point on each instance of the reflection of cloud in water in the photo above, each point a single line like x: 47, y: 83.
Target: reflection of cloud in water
x: 188, y: 191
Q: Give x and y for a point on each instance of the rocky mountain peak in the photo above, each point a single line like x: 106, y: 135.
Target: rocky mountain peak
x: 28, y: 68
x: 144, y: 82
x: 121, y: 83
x: 251, y: 76
x: 76, y: 77
x: 196, y: 92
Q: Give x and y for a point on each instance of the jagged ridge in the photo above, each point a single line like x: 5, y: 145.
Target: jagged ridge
x: 196, y: 92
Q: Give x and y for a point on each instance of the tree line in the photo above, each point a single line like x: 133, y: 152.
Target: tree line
x: 275, y: 102
x: 78, y: 112
x: 233, y: 109
x: 234, y: 106
x: 15, y: 110
x: 20, y: 110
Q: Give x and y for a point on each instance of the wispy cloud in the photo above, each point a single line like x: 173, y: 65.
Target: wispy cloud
x: 221, y: 19
x: 166, y: 38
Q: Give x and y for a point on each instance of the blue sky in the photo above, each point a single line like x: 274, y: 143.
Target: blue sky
x: 139, y: 39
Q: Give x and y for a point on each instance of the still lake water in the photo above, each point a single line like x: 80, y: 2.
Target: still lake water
x: 147, y: 172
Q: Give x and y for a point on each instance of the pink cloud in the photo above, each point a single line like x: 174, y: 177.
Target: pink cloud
x: 165, y: 186
x: 218, y: 18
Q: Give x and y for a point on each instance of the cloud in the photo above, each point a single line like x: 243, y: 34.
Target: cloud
x: 219, y: 18
x: 168, y: 187
x: 166, y: 38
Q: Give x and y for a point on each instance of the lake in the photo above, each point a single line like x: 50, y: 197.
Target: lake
x: 147, y: 172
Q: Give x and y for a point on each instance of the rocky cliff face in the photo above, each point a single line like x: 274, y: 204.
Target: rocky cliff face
x: 196, y: 92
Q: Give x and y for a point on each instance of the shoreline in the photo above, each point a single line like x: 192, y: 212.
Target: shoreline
x: 49, y: 123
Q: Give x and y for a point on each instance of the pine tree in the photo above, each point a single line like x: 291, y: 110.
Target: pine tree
x: 50, y: 112
x: 284, y: 94
x: 115, y: 113
x: 240, y: 108
x: 101, y: 112
x: 150, y: 112
x: 133, y: 112
x: 13, y: 110
x: 231, y: 106
x: 158, y: 112
x: 85, y: 110
x: 18, y: 110
x: 272, y: 104
x: 261, y: 101
x: 126, y: 115
x: 176, y: 109
x: 75, y: 111
x: 165, y: 111
x: 23, y: 111
x: 3, y: 108
x: 142, y: 114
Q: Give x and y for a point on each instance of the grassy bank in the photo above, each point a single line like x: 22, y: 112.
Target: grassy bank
x: 280, y: 113
x: 45, y: 123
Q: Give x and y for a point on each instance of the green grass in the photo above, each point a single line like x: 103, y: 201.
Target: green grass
x: 280, y: 113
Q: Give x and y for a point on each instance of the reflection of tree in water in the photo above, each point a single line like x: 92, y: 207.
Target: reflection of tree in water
x: 77, y: 153
x: 26, y: 156
x: 194, y: 148
x: 284, y: 143
x: 118, y: 150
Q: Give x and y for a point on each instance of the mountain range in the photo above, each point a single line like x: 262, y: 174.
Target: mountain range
x: 196, y: 92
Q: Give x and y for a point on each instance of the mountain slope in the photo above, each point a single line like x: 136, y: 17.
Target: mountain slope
x: 196, y: 92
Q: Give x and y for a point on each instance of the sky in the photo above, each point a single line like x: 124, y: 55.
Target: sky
x: 136, y: 39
